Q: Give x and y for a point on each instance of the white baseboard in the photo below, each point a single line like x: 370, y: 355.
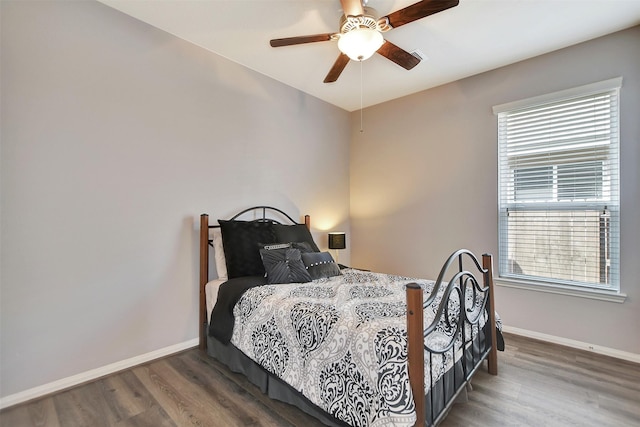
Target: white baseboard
x: 64, y: 383
x: 606, y: 351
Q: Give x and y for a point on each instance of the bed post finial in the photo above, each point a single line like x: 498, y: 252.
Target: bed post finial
x: 307, y: 221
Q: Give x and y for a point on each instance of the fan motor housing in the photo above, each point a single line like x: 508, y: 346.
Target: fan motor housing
x: 367, y: 20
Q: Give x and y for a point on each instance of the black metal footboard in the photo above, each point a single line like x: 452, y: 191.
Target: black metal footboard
x: 460, y: 337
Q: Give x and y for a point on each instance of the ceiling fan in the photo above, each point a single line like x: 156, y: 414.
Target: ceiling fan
x: 361, y: 31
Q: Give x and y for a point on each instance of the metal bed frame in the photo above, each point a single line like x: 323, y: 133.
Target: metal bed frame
x: 442, y: 393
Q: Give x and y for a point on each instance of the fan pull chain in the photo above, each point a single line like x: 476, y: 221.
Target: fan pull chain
x: 361, y: 126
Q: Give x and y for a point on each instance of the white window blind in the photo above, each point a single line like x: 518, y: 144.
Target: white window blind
x: 559, y: 216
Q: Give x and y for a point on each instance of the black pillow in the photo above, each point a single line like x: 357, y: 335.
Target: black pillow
x: 303, y: 247
x: 320, y: 265
x: 284, y: 265
x: 240, y: 242
x: 294, y: 233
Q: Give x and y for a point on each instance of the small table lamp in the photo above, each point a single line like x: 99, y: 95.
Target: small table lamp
x: 337, y: 240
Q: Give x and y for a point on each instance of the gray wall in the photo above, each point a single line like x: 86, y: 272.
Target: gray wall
x: 424, y: 183
x: 115, y: 137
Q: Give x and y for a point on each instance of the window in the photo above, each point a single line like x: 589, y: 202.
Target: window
x: 559, y: 205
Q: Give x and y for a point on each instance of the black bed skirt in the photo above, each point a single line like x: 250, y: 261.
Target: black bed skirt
x: 269, y: 384
x: 438, y: 400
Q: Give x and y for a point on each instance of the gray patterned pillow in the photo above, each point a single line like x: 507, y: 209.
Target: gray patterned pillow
x: 284, y: 265
x: 320, y: 265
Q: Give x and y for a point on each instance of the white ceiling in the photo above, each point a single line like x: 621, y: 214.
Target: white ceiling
x: 473, y: 37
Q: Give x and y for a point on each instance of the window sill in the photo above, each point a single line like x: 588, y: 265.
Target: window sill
x: 597, y: 294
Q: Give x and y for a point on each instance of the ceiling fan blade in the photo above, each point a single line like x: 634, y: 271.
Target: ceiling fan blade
x: 398, y: 55
x: 418, y: 11
x: 289, y: 41
x: 337, y: 68
x: 352, y: 7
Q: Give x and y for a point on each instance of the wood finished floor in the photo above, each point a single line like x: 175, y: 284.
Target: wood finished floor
x: 539, y: 384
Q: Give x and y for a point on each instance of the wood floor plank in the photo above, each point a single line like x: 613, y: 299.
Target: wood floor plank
x: 126, y: 396
x: 555, y: 389
x: 220, y: 401
x: 214, y: 371
x: 179, y: 408
x: 44, y: 414
x: 234, y: 398
x: 16, y: 416
x: 84, y: 406
x: 152, y: 417
x: 39, y: 413
x: 630, y: 408
x: 539, y: 384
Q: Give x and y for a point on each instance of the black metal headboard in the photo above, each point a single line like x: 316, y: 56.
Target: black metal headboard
x: 264, y: 210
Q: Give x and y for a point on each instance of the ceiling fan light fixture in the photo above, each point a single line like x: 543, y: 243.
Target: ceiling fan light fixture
x: 360, y: 44
x: 360, y: 34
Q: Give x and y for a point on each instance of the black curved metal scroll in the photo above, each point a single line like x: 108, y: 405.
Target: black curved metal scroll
x: 458, y: 285
x: 462, y: 303
x: 264, y: 210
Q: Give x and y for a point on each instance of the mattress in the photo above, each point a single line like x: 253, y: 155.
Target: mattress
x: 211, y: 295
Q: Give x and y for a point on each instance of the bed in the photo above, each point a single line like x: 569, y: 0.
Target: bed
x: 350, y: 347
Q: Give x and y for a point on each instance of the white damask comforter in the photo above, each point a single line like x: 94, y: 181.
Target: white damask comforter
x: 341, y: 342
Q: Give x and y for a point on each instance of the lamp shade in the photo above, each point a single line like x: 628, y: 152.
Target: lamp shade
x: 359, y: 44
x: 337, y: 240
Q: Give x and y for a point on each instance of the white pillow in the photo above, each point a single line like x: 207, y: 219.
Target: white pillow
x: 218, y: 251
